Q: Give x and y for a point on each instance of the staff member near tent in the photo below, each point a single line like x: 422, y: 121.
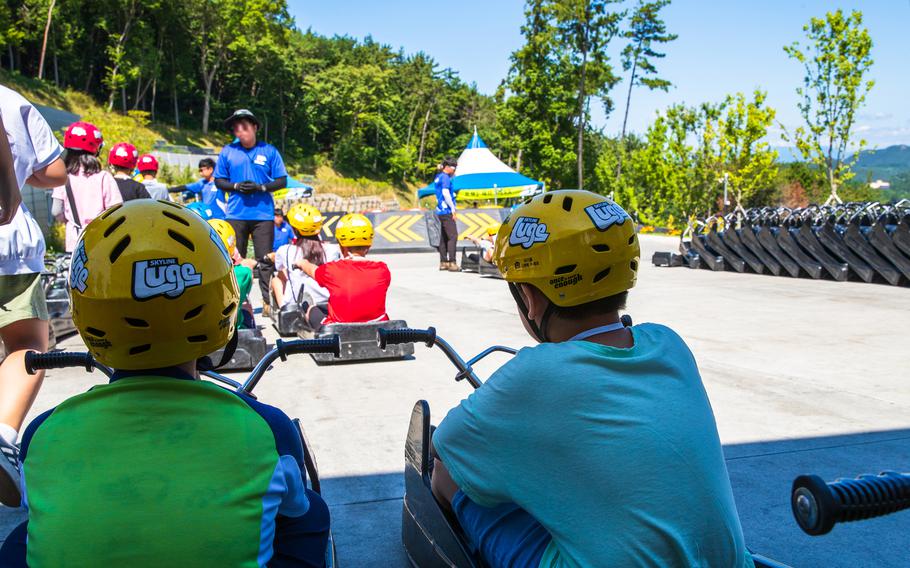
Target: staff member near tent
x: 445, y: 211
x: 250, y: 170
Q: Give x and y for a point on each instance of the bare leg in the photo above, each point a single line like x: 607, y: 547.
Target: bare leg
x: 278, y: 291
x: 18, y: 389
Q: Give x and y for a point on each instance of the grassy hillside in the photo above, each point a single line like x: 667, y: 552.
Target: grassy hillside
x: 136, y: 127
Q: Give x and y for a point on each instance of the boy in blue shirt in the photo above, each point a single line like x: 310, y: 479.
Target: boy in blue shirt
x: 250, y: 170
x: 284, y: 234
x: 205, y: 189
x: 597, y: 447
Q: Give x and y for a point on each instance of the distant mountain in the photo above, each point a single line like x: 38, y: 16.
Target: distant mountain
x: 881, y: 163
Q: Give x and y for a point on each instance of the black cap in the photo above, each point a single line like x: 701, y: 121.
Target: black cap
x: 278, y: 211
x: 450, y: 162
x: 240, y: 113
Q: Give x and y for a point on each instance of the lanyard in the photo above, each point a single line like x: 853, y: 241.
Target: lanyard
x: 598, y: 330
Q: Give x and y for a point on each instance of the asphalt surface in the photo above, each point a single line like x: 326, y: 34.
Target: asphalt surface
x: 804, y: 377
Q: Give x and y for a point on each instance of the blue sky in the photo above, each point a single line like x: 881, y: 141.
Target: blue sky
x: 724, y: 46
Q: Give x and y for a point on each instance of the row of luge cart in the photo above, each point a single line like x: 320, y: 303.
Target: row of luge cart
x: 865, y: 241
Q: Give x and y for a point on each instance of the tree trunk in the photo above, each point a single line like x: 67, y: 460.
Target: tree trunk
x: 56, y: 70
x: 411, y: 124
x: 625, y: 118
x: 12, y: 59
x: 423, y: 135
x: 123, y: 98
x: 47, y: 29
x: 88, y: 79
x: 581, y: 119
x: 518, y: 161
x: 176, y: 104
x: 206, y: 106
x: 118, y: 50
x: 154, y: 94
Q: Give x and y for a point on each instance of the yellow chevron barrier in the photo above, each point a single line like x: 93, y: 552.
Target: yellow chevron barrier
x: 331, y: 219
x: 475, y: 224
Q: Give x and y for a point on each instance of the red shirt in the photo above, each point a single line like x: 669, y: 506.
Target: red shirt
x: 357, y: 289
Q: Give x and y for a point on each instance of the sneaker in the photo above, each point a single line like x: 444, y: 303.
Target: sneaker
x: 443, y: 266
x: 266, y: 310
x: 10, y: 490
x: 453, y: 267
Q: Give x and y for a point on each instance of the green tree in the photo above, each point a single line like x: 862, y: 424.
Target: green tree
x: 645, y: 29
x: 748, y: 160
x: 586, y: 28
x: 836, y: 58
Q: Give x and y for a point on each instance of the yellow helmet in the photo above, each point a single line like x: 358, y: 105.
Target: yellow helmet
x: 493, y: 229
x: 152, y: 286
x: 306, y: 219
x: 354, y: 230
x: 227, y: 234
x: 573, y: 245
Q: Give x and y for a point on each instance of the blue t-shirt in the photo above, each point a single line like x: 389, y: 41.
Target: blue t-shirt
x: 260, y: 164
x: 283, y: 235
x: 614, y: 451
x: 210, y: 195
x: 445, y: 197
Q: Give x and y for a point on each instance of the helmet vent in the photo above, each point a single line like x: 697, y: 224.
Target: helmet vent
x: 197, y: 338
x: 119, y: 248
x: 95, y: 331
x: 548, y: 198
x: 634, y: 265
x: 567, y: 204
x: 114, y: 226
x: 565, y: 269
x: 601, y: 275
x: 107, y: 213
x: 181, y: 239
x: 229, y: 310
x: 136, y: 322
x: 172, y: 204
x: 601, y: 247
x: 193, y: 313
x: 170, y: 215
x: 140, y: 349
x: 631, y: 239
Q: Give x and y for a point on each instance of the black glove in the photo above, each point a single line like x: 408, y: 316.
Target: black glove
x: 247, y: 186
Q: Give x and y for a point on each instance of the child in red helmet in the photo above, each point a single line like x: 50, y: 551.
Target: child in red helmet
x: 148, y: 168
x: 89, y: 189
x: 122, y: 161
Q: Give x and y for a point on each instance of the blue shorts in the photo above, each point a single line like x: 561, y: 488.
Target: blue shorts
x: 504, y: 536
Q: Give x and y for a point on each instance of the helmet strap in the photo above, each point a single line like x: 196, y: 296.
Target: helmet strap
x: 538, y: 331
x: 206, y: 364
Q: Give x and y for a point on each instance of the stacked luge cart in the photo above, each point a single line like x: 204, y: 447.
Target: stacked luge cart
x: 867, y: 242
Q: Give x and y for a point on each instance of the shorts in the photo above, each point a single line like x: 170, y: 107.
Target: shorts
x: 21, y: 298
x: 504, y: 535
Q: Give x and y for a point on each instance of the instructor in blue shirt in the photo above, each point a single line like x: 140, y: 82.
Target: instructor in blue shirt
x: 249, y: 171
x: 445, y: 211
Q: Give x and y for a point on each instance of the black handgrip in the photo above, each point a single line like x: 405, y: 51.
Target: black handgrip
x: 818, y: 506
x: 35, y: 361
x: 406, y: 335
x: 626, y: 320
x: 330, y: 344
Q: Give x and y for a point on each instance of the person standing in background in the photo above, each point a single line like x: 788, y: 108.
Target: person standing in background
x: 205, y: 189
x: 122, y: 161
x: 29, y: 153
x: 446, y: 212
x: 250, y: 170
x: 284, y: 234
x: 148, y: 169
x: 89, y: 190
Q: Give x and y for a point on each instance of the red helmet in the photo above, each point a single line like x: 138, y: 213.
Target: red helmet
x: 123, y: 155
x: 83, y: 136
x: 148, y: 163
